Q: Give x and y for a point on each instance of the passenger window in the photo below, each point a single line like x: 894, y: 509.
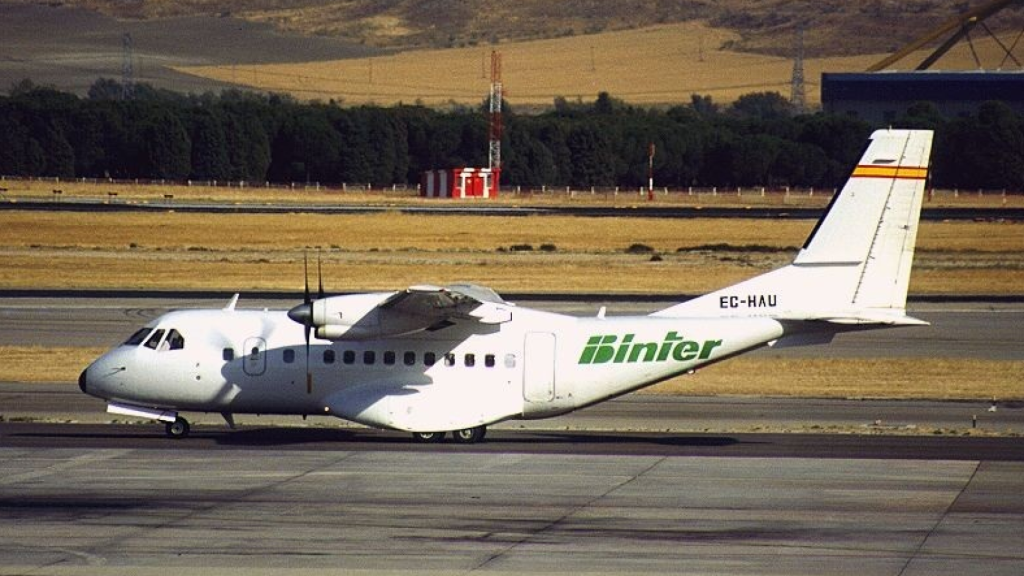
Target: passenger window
x: 510, y: 360
x: 409, y: 358
x: 155, y: 339
x: 389, y: 357
x: 289, y: 355
x: 449, y: 359
x: 175, y: 341
x: 429, y: 358
x: 328, y: 356
x: 254, y: 354
x: 229, y: 354
x: 348, y: 357
x: 369, y: 357
x: 470, y: 360
x: 138, y: 337
x: 489, y: 360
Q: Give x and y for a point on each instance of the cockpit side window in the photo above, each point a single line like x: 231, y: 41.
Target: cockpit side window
x: 155, y: 339
x: 138, y: 337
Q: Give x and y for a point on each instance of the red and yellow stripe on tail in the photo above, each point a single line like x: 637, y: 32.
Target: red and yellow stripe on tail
x: 897, y: 172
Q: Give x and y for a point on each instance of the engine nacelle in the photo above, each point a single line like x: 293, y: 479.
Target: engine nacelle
x: 359, y: 317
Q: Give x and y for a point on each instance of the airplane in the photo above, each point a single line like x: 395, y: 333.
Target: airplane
x: 449, y: 361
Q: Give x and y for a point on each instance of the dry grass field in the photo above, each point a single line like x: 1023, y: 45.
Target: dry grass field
x: 384, y: 250
x: 654, y: 65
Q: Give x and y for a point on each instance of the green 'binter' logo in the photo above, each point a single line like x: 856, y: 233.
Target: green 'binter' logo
x: 608, y: 348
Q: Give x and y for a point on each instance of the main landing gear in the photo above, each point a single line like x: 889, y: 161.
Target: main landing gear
x: 178, y: 429
x: 466, y: 436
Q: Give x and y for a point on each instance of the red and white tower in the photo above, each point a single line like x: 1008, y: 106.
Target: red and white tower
x: 494, y: 136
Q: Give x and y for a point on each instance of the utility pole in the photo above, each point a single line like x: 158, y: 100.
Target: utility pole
x: 797, y: 96
x: 127, y: 72
x: 650, y: 171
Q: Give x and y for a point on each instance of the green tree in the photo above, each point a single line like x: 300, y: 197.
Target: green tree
x: 762, y: 106
x: 162, y: 144
x: 592, y: 161
x: 210, y: 159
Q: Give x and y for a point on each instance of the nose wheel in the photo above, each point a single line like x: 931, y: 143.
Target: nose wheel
x: 177, y: 429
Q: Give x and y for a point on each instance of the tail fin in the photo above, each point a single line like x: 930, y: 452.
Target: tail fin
x: 855, y: 266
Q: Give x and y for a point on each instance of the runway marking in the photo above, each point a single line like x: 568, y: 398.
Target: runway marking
x: 526, y: 538
x: 90, y: 457
x: 940, y: 520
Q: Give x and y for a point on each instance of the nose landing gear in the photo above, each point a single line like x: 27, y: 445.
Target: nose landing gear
x: 178, y: 429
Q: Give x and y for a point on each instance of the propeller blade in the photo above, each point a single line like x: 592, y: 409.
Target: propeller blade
x: 309, y: 375
x: 319, y: 275
x: 305, y: 314
x: 305, y: 277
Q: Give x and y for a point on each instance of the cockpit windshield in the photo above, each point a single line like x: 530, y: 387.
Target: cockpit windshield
x: 138, y: 337
x: 154, y: 339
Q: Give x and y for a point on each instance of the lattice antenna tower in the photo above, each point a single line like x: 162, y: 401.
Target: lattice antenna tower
x: 127, y: 71
x: 494, y: 136
x: 797, y: 96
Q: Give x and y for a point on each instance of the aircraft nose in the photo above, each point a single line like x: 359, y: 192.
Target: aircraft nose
x: 82, y: 379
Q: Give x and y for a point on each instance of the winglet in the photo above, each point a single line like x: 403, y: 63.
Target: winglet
x: 231, y: 304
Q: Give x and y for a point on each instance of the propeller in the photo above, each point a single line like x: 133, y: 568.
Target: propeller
x: 303, y: 313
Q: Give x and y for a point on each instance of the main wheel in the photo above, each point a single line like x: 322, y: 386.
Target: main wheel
x: 428, y: 436
x: 177, y: 429
x: 469, y: 435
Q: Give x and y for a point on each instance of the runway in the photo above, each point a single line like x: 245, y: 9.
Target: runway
x: 317, y: 502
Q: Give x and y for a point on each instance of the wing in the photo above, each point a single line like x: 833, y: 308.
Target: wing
x: 418, y: 308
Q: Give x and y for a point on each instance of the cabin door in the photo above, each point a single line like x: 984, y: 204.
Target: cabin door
x: 539, y: 367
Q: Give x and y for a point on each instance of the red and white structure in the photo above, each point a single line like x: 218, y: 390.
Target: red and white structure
x: 459, y: 183
x: 496, y: 128
x: 473, y: 182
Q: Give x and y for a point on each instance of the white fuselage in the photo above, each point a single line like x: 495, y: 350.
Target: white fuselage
x: 536, y: 365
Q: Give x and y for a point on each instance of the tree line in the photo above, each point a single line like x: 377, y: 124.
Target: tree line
x: 243, y: 136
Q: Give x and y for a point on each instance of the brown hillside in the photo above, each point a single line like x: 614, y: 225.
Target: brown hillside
x: 833, y: 27
x: 663, y: 64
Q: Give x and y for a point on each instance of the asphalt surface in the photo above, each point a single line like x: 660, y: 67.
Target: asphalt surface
x: 499, y: 441
x: 118, y: 500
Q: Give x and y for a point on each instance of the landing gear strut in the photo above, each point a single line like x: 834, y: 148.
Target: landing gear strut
x: 177, y: 429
